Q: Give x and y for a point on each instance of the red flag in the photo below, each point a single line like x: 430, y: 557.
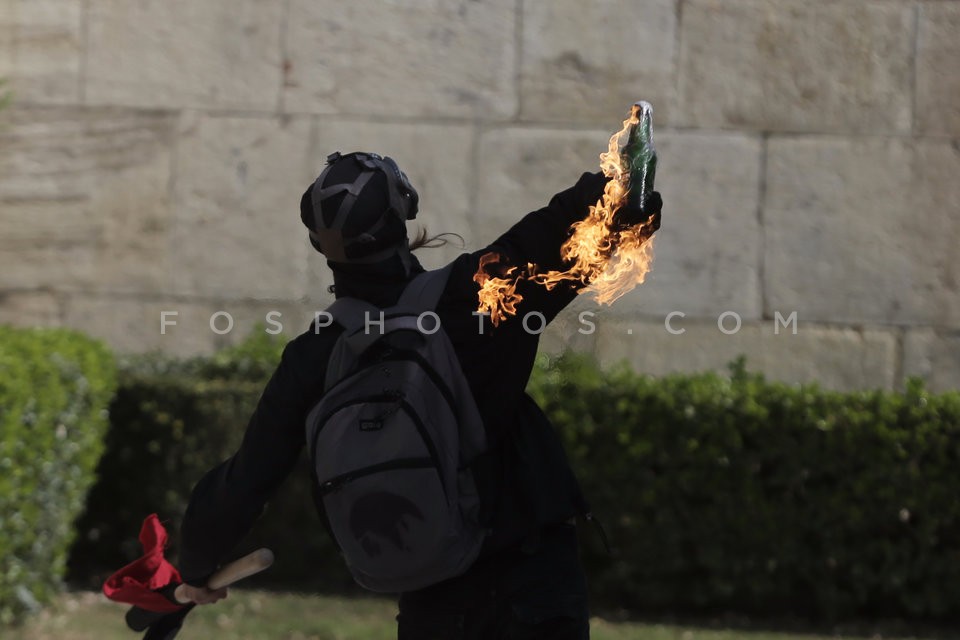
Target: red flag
x: 138, y: 582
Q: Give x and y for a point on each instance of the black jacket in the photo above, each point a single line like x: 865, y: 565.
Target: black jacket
x: 527, y: 481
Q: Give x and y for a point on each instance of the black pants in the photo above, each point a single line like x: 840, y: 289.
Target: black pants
x: 533, y: 594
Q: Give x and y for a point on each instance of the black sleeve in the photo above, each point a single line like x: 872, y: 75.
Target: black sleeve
x: 537, y: 239
x: 230, y: 497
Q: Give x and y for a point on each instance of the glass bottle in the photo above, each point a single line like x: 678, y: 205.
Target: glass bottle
x: 639, y: 156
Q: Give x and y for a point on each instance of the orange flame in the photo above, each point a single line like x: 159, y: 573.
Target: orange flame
x: 498, y: 295
x: 606, y: 257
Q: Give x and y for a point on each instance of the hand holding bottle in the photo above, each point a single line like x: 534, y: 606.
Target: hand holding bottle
x: 648, y: 213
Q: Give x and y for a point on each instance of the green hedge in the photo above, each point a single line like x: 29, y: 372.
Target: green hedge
x: 741, y: 494
x: 171, y: 421
x: 718, y: 492
x: 54, y: 389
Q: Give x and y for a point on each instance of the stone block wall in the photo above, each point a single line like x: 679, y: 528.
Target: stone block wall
x: 156, y: 150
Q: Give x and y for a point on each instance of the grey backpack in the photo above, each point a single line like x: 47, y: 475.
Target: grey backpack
x: 391, y: 442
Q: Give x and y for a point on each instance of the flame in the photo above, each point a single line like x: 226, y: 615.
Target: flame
x: 606, y: 257
x: 498, y: 295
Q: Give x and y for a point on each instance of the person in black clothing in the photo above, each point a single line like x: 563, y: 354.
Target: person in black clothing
x: 528, y: 581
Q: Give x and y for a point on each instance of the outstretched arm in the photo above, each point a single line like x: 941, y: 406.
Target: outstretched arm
x: 539, y: 236
x: 231, y: 496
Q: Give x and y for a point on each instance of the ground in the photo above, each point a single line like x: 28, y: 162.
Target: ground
x: 258, y: 615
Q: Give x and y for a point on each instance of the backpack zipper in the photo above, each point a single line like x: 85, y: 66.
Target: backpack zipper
x: 335, y: 483
x: 422, y: 430
x: 414, y: 356
x: 407, y: 409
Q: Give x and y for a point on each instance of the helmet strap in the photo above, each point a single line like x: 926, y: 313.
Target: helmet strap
x: 329, y: 239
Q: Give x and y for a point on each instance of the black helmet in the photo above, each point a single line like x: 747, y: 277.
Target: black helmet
x: 357, y: 209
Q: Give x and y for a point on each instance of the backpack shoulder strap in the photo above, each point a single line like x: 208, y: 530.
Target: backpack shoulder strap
x: 422, y: 294
x: 425, y: 290
x: 351, y: 313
